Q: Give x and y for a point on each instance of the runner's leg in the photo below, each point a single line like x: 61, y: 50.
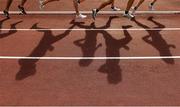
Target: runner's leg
x: 103, y: 5
x: 113, y: 7
x: 21, y: 6
x: 6, y: 13
x: 129, y: 5
x: 76, y: 7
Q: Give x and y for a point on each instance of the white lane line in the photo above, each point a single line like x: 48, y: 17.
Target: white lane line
x: 101, y: 12
x: 111, y: 29
x: 97, y: 58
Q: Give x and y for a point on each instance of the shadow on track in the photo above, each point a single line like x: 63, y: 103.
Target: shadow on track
x: 113, y: 46
x: 28, y: 67
x: 89, y: 44
x: 156, y: 40
x: 2, y: 21
x: 10, y: 32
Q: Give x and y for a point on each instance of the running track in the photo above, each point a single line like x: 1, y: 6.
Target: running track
x: 92, y: 81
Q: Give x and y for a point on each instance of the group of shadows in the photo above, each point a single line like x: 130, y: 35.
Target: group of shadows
x: 89, y: 45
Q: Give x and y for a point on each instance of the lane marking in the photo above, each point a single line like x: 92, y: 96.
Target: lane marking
x: 89, y: 12
x: 97, y: 58
x: 116, y: 29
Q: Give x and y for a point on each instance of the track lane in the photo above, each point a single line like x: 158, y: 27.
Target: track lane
x: 88, y: 82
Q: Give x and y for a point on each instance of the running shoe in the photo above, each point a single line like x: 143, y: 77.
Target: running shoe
x: 151, y: 8
x: 114, y: 8
x: 6, y: 13
x: 22, y: 10
x: 81, y: 16
x: 94, y: 14
x: 41, y: 6
x: 128, y: 15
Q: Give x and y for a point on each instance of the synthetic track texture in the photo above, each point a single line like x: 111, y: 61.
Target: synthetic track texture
x: 90, y: 81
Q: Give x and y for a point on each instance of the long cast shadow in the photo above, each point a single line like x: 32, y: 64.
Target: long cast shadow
x: 113, y: 46
x: 11, y: 31
x: 2, y: 21
x: 28, y: 67
x: 89, y: 44
x: 156, y: 40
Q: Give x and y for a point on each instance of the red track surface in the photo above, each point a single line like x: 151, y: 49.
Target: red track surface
x: 89, y: 82
x: 89, y: 4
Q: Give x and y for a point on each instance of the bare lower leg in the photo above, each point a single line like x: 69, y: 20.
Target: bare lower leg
x: 129, y: 5
x: 139, y: 3
x: 113, y: 4
x: 105, y: 4
x: 22, y: 3
x: 153, y: 2
x: 8, y: 5
x: 76, y: 7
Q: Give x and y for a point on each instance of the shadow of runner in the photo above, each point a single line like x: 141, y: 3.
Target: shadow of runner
x: 89, y: 44
x: 157, y: 41
x: 2, y: 21
x: 28, y: 66
x: 113, y: 46
x: 10, y: 32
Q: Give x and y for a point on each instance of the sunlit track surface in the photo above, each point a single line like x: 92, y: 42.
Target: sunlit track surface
x: 95, y: 58
x: 135, y: 29
x: 66, y: 5
x: 54, y: 60
x: 90, y: 12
